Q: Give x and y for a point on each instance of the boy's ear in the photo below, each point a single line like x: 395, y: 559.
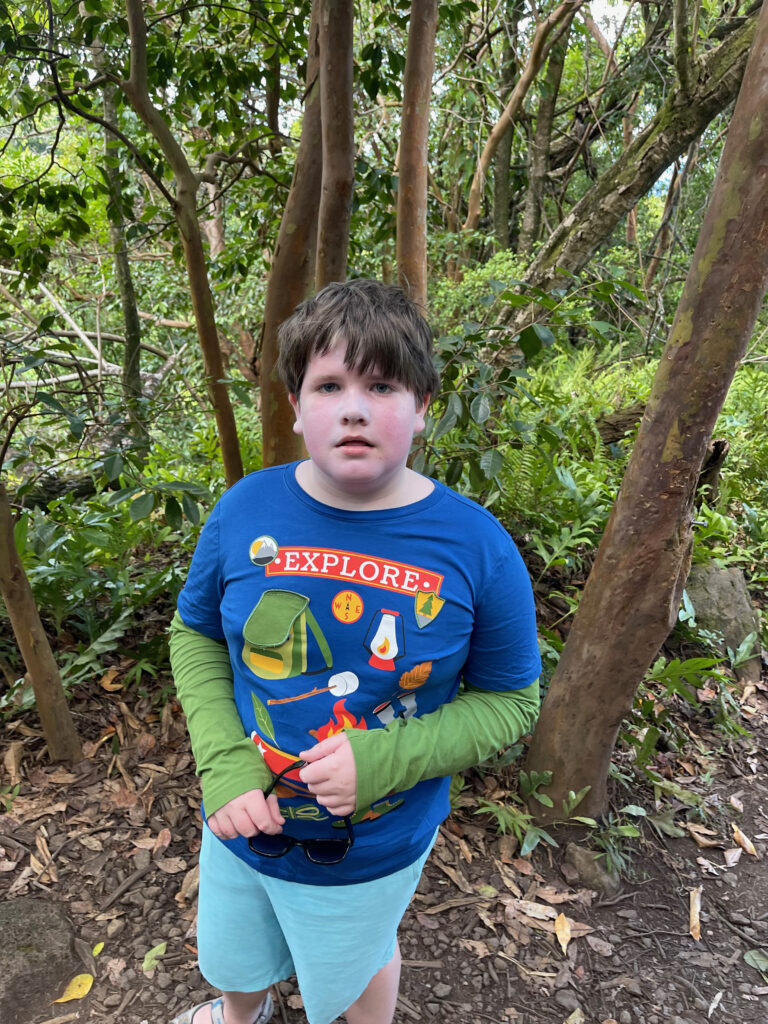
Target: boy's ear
x: 421, y: 411
x: 293, y: 399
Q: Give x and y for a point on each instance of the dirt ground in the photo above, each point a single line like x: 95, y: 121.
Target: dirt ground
x: 489, y: 936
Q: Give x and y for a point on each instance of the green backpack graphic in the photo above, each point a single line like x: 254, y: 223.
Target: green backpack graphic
x: 275, y: 636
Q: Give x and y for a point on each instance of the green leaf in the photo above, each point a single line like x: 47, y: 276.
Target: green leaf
x: 113, y: 466
x: 191, y: 509
x: 480, y: 409
x: 533, y: 339
x: 634, y: 809
x: 173, y: 513
x: 758, y: 959
x: 491, y: 462
x: 263, y: 720
x: 141, y: 507
x: 154, y: 956
x: 447, y: 422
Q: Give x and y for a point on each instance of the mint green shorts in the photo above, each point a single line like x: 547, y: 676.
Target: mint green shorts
x: 254, y: 930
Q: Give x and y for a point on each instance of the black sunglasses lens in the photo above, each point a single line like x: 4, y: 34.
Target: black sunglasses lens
x: 327, y: 851
x: 270, y: 846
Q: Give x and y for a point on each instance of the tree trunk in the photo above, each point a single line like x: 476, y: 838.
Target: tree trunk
x: 664, y: 236
x: 538, y: 159
x: 185, y: 211
x: 131, y: 375
x: 540, y: 46
x: 414, y: 133
x: 633, y: 593
x: 293, y: 266
x: 681, y: 120
x: 336, y: 24
x: 58, y: 727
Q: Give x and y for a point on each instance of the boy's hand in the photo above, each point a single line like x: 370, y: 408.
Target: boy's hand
x: 247, y: 815
x: 331, y: 775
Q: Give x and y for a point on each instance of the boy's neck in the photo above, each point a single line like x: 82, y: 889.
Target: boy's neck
x: 404, y: 489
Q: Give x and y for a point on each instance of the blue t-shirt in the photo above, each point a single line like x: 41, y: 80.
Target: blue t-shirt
x: 341, y: 619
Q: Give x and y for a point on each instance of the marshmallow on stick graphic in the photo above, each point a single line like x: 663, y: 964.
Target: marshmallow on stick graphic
x: 339, y: 685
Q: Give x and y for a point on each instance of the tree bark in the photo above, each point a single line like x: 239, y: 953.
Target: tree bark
x: 538, y: 158
x: 414, y: 134
x: 633, y: 593
x: 131, y: 375
x: 540, y: 46
x: 292, y: 272
x: 338, y: 133
x: 58, y: 727
x: 681, y: 120
x: 185, y: 211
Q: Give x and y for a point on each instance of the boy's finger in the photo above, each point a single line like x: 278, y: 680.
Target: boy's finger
x: 323, y: 748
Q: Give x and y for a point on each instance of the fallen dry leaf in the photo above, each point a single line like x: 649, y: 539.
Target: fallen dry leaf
x: 744, y: 842
x: 78, y: 987
x: 476, y: 946
x: 701, y: 835
x: 12, y: 761
x: 107, y: 681
x: 171, y: 865
x: 523, y: 867
x: 563, y: 932
x: 600, y: 946
x: 162, y: 841
x: 732, y: 856
x: 577, y: 1017
x: 295, y: 1001
x: 694, y: 911
x: 736, y: 804
x: 530, y: 909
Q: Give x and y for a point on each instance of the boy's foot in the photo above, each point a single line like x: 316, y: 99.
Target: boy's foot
x: 212, y: 1012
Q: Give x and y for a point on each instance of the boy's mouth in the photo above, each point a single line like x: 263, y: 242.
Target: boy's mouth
x: 354, y: 442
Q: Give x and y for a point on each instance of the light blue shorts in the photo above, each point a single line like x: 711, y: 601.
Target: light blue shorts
x: 254, y: 930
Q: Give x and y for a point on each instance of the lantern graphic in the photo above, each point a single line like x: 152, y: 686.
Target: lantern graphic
x: 385, y: 640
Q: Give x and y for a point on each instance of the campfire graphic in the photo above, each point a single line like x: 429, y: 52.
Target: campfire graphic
x: 341, y: 719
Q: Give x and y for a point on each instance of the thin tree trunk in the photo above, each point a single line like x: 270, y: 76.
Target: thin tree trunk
x: 336, y: 25
x: 58, y: 727
x: 633, y: 593
x: 131, y: 375
x: 292, y: 272
x: 540, y: 46
x: 414, y: 134
x: 665, y: 234
x: 538, y: 161
x: 185, y: 211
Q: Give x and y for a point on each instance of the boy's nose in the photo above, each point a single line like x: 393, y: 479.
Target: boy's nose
x: 355, y: 407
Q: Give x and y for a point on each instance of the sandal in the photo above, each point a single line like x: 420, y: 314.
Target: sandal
x: 217, y: 1012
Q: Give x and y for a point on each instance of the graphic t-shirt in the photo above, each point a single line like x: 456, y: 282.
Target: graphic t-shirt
x: 337, y: 620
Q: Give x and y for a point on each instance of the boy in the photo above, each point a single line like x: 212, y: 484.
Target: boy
x: 332, y: 608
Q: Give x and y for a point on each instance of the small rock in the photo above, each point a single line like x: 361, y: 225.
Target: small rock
x: 625, y: 1017
x: 441, y: 990
x: 433, y: 1008
x: 591, y: 869
x: 163, y: 981
x: 567, y: 999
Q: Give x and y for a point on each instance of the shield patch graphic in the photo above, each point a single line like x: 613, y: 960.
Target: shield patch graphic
x: 428, y: 606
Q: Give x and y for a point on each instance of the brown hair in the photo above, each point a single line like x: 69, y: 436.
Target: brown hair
x: 384, y: 331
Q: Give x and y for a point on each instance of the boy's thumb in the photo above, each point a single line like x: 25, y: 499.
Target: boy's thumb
x: 325, y: 747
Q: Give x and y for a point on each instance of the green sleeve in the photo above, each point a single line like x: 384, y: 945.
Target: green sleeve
x: 228, y: 762
x: 458, y: 735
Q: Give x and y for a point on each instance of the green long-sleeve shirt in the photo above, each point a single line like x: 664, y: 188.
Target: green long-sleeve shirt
x: 458, y: 735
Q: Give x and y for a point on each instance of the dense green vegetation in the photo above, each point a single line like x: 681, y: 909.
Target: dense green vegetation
x: 110, y: 495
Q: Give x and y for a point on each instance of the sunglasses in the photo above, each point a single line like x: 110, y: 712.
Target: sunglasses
x: 318, y: 851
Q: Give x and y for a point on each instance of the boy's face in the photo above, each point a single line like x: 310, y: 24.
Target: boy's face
x: 357, y: 428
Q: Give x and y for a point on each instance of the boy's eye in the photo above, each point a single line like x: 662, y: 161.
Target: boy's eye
x: 327, y: 387
x: 381, y: 388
